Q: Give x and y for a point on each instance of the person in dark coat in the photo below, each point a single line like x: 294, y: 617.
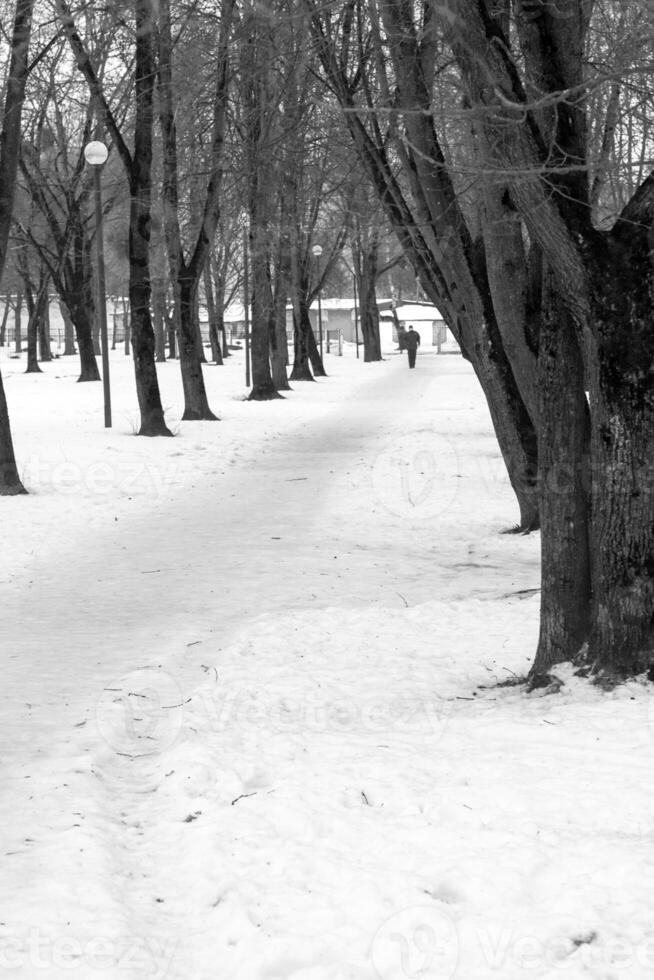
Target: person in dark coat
x: 411, y: 345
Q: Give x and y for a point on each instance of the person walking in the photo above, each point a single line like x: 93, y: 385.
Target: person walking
x: 411, y: 345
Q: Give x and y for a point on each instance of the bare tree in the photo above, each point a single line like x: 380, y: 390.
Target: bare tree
x: 10, y: 483
x: 138, y: 168
x: 186, y: 273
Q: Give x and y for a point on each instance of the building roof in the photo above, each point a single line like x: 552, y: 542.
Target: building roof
x: 420, y: 312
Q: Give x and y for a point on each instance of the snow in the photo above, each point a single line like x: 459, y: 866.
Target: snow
x: 255, y: 724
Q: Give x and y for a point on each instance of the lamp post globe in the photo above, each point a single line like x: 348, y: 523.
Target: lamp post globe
x: 96, y: 153
x: 317, y: 250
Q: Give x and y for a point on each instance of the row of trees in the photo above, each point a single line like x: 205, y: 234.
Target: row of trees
x: 505, y: 142
x: 514, y: 208
x: 204, y: 154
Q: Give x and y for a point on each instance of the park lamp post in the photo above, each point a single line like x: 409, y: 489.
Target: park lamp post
x: 95, y: 154
x: 317, y: 252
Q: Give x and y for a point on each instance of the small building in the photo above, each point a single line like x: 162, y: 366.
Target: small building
x: 338, y: 316
x: 426, y: 319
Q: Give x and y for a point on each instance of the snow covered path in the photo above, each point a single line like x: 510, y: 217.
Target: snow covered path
x: 251, y: 729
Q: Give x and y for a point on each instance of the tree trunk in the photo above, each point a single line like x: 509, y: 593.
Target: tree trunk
x: 263, y: 387
x: 312, y: 346
x: 5, y: 317
x: 69, y: 330
x: 301, y: 370
x: 35, y: 309
x: 506, y: 265
x: 142, y: 334
x: 172, y: 335
x: 214, y: 339
x: 196, y: 405
x: 18, y: 323
x: 365, y: 252
x: 16, y: 77
x: 10, y: 483
x: 513, y: 428
x: 564, y: 479
x: 80, y: 317
x: 158, y: 306
x: 278, y: 341
x: 368, y: 312
x: 77, y: 295
x: 45, y: 352
x: 198, y: 330
x: 622, y: 399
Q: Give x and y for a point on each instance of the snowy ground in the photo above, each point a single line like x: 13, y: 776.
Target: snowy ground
x: 252, y: 727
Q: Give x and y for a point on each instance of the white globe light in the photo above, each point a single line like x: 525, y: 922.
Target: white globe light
x: 317, y: 251
x: 95, y: 153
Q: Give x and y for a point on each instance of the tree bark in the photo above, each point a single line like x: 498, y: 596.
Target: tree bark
x: 622, y: 399
x: 35, y: 306
x: 18, y: 323
x: 196, y: 404
x: 506, y: 263
x: 564, y: 480
x: 10, y: 483
x: 214, y: 338
x: 300, y: 370
x: 185, y: 274
x: 368, y: 312
x: 5, y: 317
x: 45, y: 351
x: 263, y: 387
x: 278, y: 340
x: 140, y: 293
x: 69, y: 329
x: 317, y: 365
x: 158, y: 305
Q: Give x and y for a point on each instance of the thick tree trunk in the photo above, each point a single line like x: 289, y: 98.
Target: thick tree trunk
x: 622, y: 399
x: 368, y: 312
x: 312, y: 346
x: 69, y: 330
x: 76, y: 295
x: 564, y: 479
x: 88, y: 363
x: 196, y: 404
x: 513, y: 428
x: 300, y: 370
x: 263, y: 387
x: 366, y: 266
x: 10, y: 483
x: 506, y: 266
x: 32, y: 340
x: 142, y: 334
